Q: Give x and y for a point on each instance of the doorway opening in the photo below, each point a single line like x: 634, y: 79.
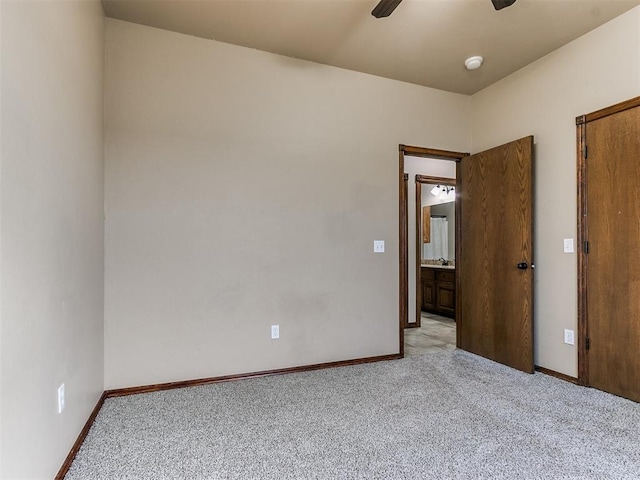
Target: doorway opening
x: 442, y: 171
x: 434, y: 328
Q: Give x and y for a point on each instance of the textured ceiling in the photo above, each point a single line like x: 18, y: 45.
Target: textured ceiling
x: 423, y: 42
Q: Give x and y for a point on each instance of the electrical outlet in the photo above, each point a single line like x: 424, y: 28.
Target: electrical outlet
x: 275, y: 331
x: 378, y: 246
x: 568, y: 337
x: 61, y: 398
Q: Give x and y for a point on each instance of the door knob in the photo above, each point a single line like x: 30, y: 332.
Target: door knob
x: 522, y: 266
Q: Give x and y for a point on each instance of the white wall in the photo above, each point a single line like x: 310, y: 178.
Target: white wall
x: 543, y: 99
x: 420, y: 166
x: 51, y: 275
x: 245, y: 189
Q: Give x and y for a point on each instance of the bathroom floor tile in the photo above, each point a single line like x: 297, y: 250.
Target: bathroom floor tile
x: 435, y: 334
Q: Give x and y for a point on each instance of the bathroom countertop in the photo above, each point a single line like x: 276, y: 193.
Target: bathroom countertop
x: 442, y: 267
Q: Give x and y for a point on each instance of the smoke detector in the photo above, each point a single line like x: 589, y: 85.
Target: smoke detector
x: 473, y: 62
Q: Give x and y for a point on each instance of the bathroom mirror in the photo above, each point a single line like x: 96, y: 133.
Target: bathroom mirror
x: 439, y: 232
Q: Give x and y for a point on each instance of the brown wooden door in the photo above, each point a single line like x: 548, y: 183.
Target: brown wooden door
x: 613, y: 258
x: 494, y: 308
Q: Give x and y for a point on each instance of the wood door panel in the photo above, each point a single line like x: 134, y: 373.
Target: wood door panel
x: 428, y: 295
x: 446, y: 296
x: 496, y: 298
x: 613, y: 264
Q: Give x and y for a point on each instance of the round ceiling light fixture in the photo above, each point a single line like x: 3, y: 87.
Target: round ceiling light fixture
x: 473, y: 62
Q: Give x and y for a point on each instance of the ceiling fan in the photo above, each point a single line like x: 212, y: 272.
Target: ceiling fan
x: 386, y: 7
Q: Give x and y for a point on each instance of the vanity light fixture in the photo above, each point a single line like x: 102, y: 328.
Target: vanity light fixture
x: 442, y: 190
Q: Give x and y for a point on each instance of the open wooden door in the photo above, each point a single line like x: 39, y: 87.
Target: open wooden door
x: 494, y: 257
x: 609, y: 266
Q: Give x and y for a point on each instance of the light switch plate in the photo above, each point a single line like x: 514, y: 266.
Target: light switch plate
x: 568, y: 245
x: 378, y: 246
x: 568, y: 337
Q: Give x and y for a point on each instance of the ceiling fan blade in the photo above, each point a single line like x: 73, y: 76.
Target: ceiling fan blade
x: 385, y: 8
x: 500, y: 4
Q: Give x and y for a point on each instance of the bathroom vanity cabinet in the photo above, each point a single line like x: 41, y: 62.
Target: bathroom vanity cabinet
x: 438, y: 290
